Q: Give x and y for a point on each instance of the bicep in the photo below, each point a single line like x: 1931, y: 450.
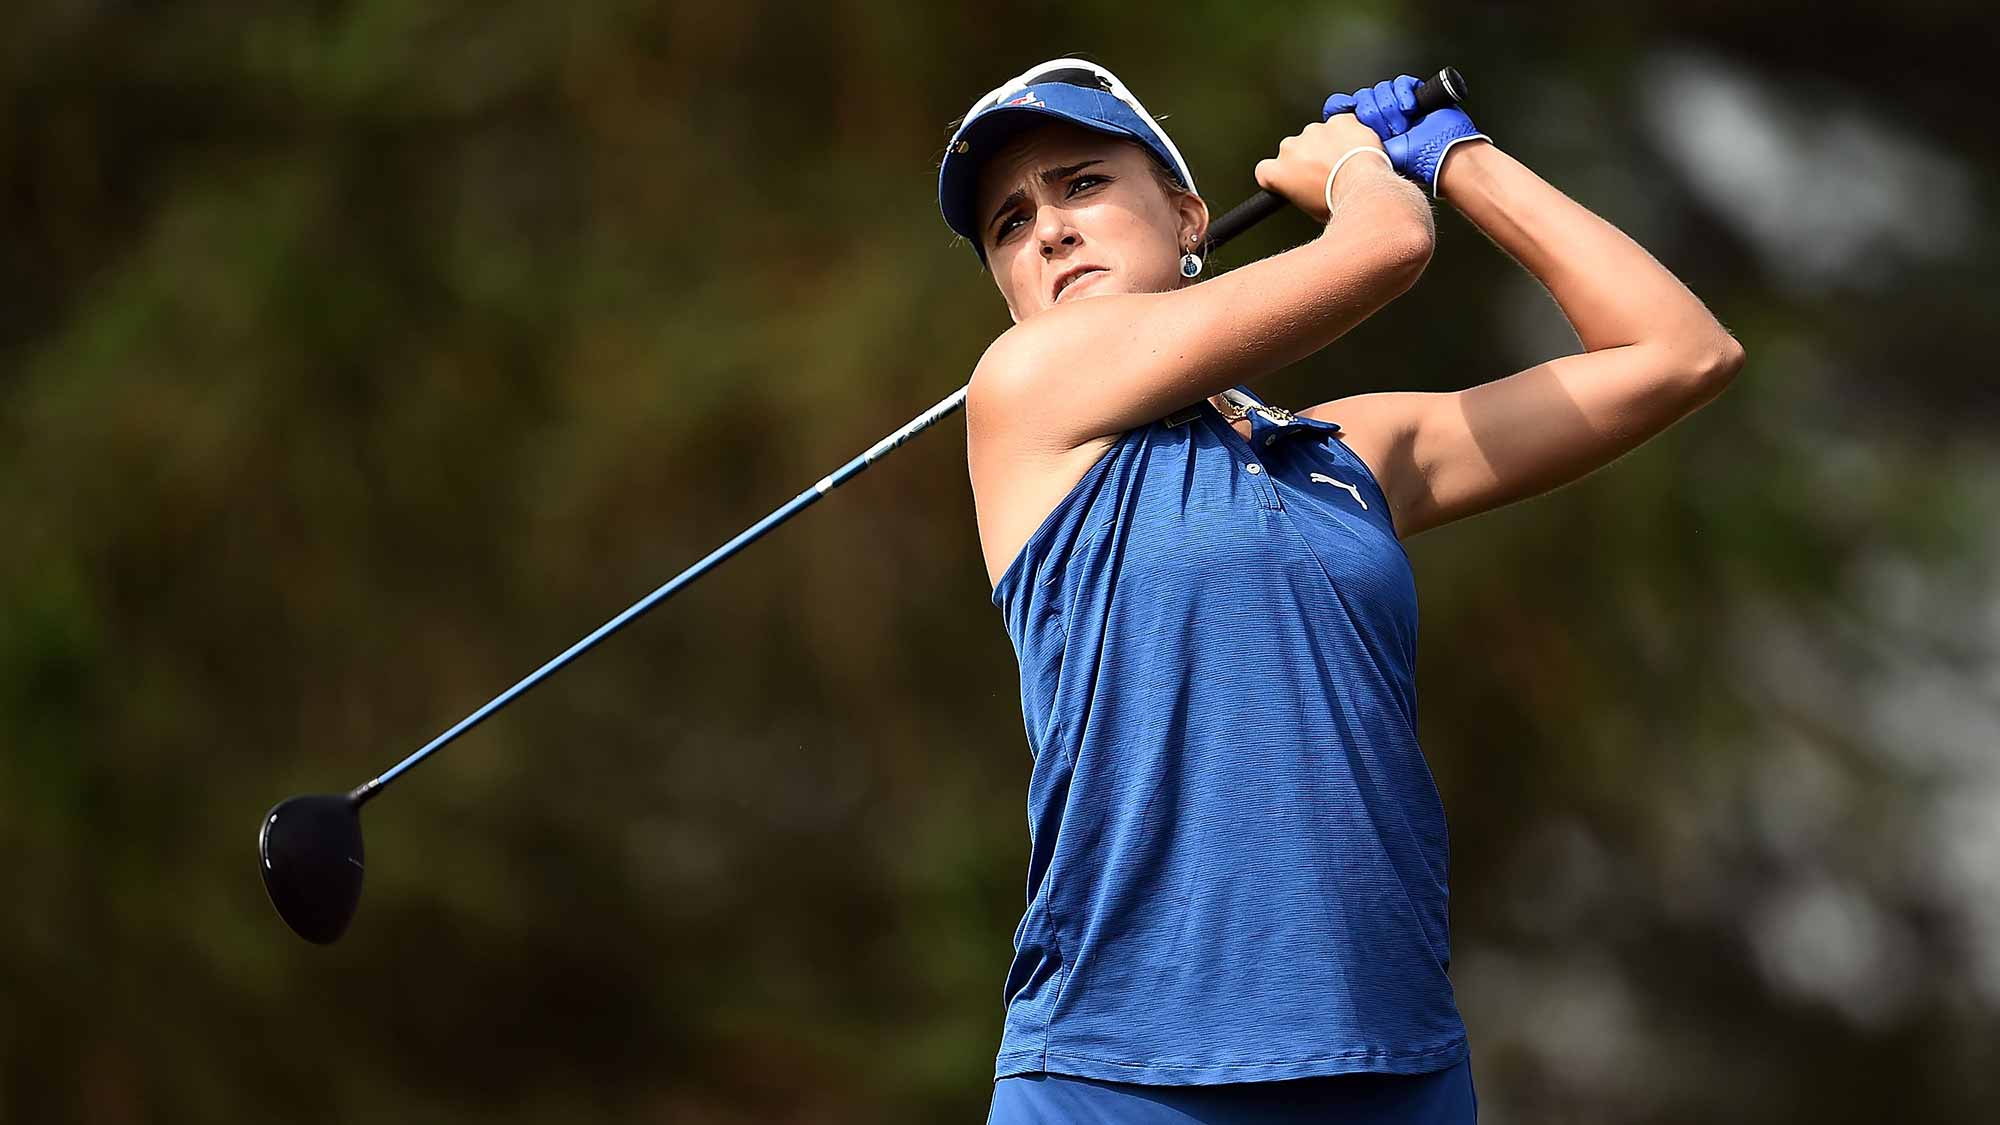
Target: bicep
x: 1447, y: 456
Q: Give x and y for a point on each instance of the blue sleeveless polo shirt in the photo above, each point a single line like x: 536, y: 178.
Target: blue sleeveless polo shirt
x: 1238, y: 858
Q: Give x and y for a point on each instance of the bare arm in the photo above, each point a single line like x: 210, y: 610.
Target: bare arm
x: 1653, y: 355
x: 1122, y: 360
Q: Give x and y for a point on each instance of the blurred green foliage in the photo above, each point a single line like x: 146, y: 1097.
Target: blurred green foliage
x: 356, y: 357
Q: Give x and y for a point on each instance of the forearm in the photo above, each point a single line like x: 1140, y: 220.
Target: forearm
x: 1272, y: 313
x: 1286, y: 307
x: 1378, y: 196
x: 1148, y: 354
x: 1613, y: 292
x: 1289, y: 306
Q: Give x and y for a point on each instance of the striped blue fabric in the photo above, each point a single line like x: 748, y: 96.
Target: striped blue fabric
x: 1238, y: 857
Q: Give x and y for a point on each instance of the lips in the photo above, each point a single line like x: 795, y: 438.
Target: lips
x: 1074, y: 273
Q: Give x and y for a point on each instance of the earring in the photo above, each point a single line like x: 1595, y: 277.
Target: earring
x: 1191, y: 262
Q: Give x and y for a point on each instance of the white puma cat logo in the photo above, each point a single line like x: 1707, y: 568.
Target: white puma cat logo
x: 1322, y: 478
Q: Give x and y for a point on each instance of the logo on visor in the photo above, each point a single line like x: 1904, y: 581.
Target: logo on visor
x: 1027, y: 98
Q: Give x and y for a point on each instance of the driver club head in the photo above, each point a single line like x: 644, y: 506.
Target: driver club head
x: 309, y: 853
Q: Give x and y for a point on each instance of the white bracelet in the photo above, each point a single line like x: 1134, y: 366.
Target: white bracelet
x: 1344, y: 158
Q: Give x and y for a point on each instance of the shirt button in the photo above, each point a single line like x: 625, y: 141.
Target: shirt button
x: 1271, y: 440
x: 1253, y: 468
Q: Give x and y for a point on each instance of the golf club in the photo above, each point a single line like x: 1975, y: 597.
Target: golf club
x: 309, y: 847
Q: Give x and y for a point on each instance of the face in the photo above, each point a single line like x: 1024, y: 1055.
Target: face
x: 1067, y: 214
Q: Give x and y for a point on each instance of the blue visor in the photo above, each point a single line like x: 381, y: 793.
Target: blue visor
x: 1105, y: 107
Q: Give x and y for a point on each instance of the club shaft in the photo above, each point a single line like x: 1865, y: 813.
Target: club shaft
x: 749, y: 535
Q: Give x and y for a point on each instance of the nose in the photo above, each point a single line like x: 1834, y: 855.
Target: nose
x: 1052, y: 229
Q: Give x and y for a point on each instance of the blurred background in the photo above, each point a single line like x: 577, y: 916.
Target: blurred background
x: 357, y: 357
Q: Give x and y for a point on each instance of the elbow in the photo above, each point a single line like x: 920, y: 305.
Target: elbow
x: 1696, y: 366
x: 1383, y: 239
x: 1702, y: 361
x: 1402, y: 234
x: 1417, y: 235
x: 1701, y: 368
x: 1406, y: 251
x: 1716, y: 363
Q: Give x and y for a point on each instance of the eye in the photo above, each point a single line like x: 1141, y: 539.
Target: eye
x: 1077, y: 185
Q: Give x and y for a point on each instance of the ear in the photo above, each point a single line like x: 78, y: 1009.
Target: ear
x: 1192, y: 214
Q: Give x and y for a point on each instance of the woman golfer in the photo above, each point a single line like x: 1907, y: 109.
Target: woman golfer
x: 1237, y: 883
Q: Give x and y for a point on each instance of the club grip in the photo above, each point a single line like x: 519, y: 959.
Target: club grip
x: 1446, y: 87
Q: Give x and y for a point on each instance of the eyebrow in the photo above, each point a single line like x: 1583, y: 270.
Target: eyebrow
x: 1047, y: 176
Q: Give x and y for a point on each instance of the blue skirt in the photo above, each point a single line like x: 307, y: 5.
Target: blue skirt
x: 1444, y: 1097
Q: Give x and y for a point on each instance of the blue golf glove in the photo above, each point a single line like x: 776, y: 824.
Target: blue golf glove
x: 1416, y: 144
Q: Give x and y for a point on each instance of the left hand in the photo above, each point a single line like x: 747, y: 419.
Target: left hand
x: 1416, y: 144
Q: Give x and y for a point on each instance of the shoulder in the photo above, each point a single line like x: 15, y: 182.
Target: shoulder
x: 1003, y: 369
x: 1043, y: 354
x: 1021, y: 358
x: 1020, y: 401
x: 1021, y: 458
x: 1008, y: 384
